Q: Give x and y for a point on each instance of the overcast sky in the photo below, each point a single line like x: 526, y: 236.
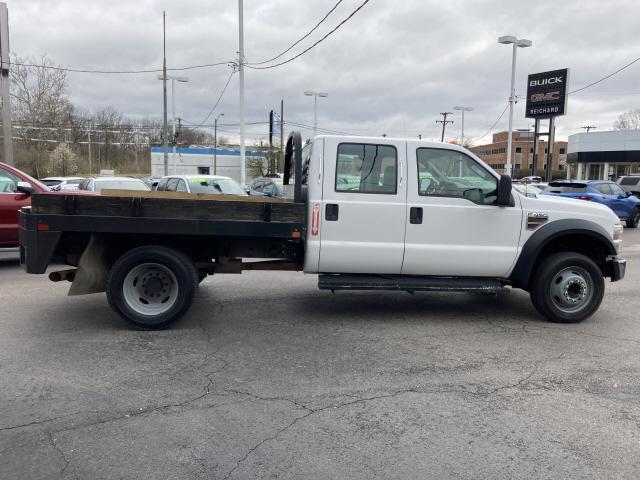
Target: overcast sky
x: 391, y: 69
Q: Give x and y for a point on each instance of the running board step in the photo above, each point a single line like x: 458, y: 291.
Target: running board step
x: 410, y: 283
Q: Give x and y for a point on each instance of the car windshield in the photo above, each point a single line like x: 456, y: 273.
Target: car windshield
x: 214, y: 186
x: 120, y: 185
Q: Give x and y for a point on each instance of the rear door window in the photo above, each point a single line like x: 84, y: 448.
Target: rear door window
x: 603, y: 188
x: 629, y: 180
x: 366, y: 168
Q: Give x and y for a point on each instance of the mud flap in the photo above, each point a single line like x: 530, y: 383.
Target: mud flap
x: 92, y: 269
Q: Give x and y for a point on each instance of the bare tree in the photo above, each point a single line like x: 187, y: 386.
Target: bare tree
x: 40, y: 104
x: 628, y: 121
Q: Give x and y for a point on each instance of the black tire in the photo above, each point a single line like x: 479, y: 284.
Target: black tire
x: 567, y: 288
x: 177, y: 280
x: 634, y: 218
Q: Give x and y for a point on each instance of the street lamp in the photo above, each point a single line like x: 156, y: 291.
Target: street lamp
x: 463, y: 109
x: 173, y: 108
x: 315, y: 96
x: 215, y: 143
x: 522, y: 43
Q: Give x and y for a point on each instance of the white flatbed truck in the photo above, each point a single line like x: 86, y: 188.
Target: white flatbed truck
x: 367, y: 214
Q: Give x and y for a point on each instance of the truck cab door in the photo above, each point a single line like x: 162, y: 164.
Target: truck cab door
x: 454, y: 227
x: 11, y: 201
x: 363, y: 208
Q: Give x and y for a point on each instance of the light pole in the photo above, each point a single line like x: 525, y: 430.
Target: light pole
x: 522, y: 43
x: 462, y: 109
x: 215, y: 143
x: 315, y: 96
x: 173, y: 110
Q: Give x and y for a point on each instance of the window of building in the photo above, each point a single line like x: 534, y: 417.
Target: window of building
x: 518, y: 149
x: 366, y: 168
x: 203, y: 170
x: 562, y: 151
x: 449, y: 173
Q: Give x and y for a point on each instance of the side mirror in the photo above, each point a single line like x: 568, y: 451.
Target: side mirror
x: 504, y: 191
x: 25, y: 187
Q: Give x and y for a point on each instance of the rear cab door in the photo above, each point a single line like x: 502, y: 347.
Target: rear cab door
x: 11, y: 201
x: 362, y: 215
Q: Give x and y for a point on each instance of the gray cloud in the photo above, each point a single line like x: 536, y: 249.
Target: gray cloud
x: 391, y: 69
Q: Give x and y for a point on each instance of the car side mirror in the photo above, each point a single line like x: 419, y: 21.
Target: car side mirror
x: 25, y: 187
x: 627, y: 194
x: 504, y: 191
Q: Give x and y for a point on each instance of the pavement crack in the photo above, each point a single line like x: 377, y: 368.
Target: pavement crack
x: 63, y: 457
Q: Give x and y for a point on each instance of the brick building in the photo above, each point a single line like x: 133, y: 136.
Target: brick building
x: 495, y: 153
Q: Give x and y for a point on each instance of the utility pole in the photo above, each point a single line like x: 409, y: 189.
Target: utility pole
x: 444, y: 122
x: 89, y: 145
x: 4, y: 67
x: 165, y: 143
x: 281, y: 132
x: 215, y: 143
x: 589, y: 127
x: 243, y: 179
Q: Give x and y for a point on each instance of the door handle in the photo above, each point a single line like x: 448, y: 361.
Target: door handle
x: 331, y: 212
x: 415, y: 215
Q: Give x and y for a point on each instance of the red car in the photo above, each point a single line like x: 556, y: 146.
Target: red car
x: 16, y: 188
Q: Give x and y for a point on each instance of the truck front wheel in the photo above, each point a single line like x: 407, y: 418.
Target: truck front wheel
x: 567, y: 287
x: 152, y: 286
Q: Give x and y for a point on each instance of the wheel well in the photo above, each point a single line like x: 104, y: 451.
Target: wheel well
x: 586, y: 245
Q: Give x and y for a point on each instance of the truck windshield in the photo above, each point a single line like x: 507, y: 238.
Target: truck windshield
x: 214, y: 186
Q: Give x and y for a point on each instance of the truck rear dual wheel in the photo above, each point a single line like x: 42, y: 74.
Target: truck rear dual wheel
x: 567, y: 288
x: 152, y: 286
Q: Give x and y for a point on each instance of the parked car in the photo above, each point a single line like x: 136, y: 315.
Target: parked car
x: 15, y: 192
x: 528, y: 189
x: 624, y: 204
x: 57, y: 184
x: 211, y: 184
x: 151, y: 181
x: 531, y: 179
x: 630, y: 183
x: 268, y: 187
x: 96, y: 184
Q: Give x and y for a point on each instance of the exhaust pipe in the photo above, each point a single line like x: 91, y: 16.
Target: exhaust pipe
x: 61, y: 275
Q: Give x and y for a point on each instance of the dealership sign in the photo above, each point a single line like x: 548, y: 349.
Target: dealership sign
x: 547, y: 94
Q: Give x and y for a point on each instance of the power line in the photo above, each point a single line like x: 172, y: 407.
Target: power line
x: 312, y: 46
x: 494, y: 123
x: 224, y: 89
x: 301, y: 38
x: 605, y: 78
x: 100, y: 71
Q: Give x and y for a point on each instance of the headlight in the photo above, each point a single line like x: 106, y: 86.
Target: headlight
x: 617, y: 236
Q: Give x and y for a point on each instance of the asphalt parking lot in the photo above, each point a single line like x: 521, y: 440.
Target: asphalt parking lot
x: 267, y: 377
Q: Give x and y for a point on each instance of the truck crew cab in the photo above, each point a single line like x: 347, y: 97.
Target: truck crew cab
x: 368, y: 213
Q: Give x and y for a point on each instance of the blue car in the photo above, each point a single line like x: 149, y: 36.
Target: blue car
x: 624, y: 204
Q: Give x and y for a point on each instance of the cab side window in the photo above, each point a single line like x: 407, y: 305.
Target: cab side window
x: 449, y: 173
x: 367, y: 168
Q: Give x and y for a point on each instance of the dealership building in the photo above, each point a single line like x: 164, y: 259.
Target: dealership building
x: 201, y: 161
x: 495, y: 153
x: 603, y: 155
